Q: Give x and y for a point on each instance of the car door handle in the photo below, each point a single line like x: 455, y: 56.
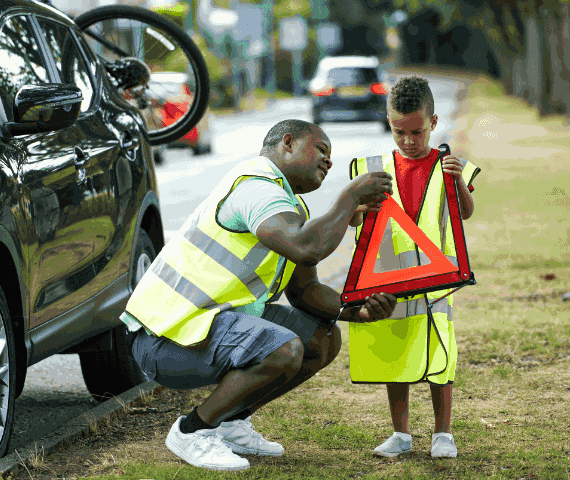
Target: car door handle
x: 130, y: 144
x: 81, y: 157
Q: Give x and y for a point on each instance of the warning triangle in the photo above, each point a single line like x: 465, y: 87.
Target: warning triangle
x: 362, y: 278
x: 436, y: 271
x: 438, y: 265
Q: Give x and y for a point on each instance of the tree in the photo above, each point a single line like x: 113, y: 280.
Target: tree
x: 525, y: 37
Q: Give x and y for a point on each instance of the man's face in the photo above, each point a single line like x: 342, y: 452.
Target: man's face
x: 310, y: 161
x: 412, y: 131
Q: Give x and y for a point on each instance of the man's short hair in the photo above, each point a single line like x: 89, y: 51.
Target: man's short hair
x: 297, y: 129
x: 411, y: 94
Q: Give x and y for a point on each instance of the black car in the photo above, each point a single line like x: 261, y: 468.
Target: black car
x: 79, y: 213
x: 349, y: 89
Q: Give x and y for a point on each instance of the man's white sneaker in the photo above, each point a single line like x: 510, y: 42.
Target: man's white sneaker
x: 241, y: 437
x: 443, y: 445
x: 203, y: 448
x: 394, y: 446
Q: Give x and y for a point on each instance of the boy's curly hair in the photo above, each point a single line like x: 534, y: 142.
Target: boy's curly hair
x: 411, y: 94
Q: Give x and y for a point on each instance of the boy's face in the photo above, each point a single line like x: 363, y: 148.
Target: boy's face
x: 412, y: 131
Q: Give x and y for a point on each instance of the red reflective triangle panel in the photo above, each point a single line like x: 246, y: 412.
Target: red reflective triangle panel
x: 438, y: 265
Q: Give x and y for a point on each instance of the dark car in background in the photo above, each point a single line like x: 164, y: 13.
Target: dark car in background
x: 349, y: 89
x: 79, y: 214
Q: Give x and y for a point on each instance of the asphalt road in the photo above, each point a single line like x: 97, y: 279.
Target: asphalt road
x: 54, y: 392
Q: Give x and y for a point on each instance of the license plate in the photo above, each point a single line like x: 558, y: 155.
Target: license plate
x: 352, y: 91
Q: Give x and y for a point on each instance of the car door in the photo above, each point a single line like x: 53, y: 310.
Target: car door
x: 54, y: 187
x: 111, y: 138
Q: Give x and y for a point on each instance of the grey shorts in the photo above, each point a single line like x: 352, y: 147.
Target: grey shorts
x: 237, y: 340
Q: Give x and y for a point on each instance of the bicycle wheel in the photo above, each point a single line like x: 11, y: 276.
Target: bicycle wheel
x: 177, y: 95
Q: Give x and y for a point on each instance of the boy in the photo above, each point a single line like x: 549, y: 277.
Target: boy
x: 402, y: 339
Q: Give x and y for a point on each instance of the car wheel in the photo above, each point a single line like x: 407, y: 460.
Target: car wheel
x: 111, y: 372
x: 202, y: 149
x: 158, y: 158
x: 7, y: 375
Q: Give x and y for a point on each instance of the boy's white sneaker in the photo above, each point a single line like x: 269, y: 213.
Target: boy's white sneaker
x: 397, y: 444
x: 203, y: 448
x: 241, y: 437
x: 443, y: 445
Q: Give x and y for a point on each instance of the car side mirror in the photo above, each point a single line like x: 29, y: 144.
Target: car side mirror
x: 44, y: 108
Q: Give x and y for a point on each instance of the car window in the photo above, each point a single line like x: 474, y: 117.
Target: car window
x: 352, y: 76
x: 68, y: 58
x: 166, y: 89
x: 20, y: 60
x: 90, y: 56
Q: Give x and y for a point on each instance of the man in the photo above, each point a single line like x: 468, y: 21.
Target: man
x: 204, y: 301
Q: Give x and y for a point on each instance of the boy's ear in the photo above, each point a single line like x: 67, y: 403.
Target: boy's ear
x: 433, y: 122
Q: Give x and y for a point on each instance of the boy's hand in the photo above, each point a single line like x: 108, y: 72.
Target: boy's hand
x: 452, y: 165
x: 377, y: 307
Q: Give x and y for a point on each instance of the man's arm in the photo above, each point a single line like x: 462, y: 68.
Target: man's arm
x: 306, y: 293
x: 310, y: 242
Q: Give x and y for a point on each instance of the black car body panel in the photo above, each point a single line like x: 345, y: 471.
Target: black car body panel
x: 72, y: 202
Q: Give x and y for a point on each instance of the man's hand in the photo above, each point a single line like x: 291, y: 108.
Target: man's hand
x: 377, y: 307
x: 371, y: 188
x: 358, y: 215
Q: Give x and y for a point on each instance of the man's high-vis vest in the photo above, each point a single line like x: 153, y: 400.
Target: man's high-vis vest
x: 408, y: 347
x: 206, y: 268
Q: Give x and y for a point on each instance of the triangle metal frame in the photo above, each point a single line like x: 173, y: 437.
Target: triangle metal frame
x: 440, y: 274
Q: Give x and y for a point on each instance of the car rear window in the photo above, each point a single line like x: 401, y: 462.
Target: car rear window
x: 165, y: 89
x: 352, y: 76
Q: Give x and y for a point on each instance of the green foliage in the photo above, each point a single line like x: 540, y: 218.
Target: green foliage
x: 177, y: 13
x: 281, y: 8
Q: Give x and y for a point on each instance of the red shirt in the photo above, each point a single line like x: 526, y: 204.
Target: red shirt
x: 412, y: 176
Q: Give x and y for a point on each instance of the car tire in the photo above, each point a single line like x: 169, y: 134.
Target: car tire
x: 158, y: 158
x: 8, y: 388
x: 202, y: 149
x: 111, y: 372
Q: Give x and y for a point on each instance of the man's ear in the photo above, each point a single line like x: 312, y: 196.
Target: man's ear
x: 288, y: 142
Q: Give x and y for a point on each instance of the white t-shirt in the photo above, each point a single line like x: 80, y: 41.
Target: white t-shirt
x: 251, y: 203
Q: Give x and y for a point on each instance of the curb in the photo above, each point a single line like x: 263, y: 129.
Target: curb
x: 76, y: 427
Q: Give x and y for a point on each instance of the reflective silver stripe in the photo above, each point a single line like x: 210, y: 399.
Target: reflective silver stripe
x: 242, y: 269
x: 374, y: 164
x: 443, y: 216
x: 181, y: 285
x: 388, y: 262
x: 418, y: 307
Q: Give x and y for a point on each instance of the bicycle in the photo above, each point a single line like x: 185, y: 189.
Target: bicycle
x: 136, y: 46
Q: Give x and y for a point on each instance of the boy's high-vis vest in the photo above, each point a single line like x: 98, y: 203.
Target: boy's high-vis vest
x: 407, y: 347
x: 206, y: 268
